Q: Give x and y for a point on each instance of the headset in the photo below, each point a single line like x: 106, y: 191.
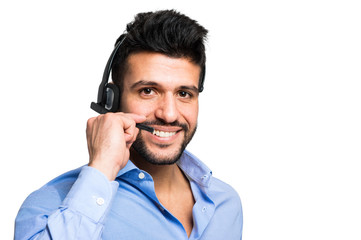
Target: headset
x: 109, y: 94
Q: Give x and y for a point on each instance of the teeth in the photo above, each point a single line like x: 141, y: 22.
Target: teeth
x: 163, y: 134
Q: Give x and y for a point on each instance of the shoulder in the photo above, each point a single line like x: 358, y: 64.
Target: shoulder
x: 220, y: 191
x: 54, y: 191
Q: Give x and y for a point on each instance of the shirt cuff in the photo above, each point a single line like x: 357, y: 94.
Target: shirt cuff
x: 91, y: 194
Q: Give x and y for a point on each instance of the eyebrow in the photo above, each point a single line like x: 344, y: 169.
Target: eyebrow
x: 152, y: 83
x: 143, y: 83
x: 191, y: 88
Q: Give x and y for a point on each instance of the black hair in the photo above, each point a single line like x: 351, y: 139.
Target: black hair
x: 168, y: 32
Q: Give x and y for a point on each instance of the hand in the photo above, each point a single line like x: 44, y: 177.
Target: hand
x: 109, y: 138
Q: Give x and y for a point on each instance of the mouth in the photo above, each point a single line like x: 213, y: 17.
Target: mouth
x: 163, y: 134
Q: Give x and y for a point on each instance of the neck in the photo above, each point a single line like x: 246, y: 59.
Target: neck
x: 166, y: 177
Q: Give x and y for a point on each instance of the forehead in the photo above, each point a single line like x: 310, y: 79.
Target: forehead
x: 159, y: 68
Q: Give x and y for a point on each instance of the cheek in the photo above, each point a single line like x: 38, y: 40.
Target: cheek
x: 132, y: 105
x: 144, y: 109
x: 190, y: 114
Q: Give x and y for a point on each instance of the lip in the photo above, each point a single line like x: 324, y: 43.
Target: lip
x: 168, y: 139
x: 166, y: 128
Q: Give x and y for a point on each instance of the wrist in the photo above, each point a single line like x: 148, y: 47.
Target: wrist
x: 110, y: 171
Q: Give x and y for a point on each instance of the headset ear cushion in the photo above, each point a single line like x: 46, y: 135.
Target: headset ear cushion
x: 112, y: 97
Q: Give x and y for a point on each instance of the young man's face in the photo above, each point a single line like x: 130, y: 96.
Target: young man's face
x: 165, y: 90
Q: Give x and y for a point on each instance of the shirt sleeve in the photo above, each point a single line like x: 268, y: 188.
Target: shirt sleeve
x: 80, y: 215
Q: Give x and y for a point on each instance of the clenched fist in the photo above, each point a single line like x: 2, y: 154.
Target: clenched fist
x: 109, y: 138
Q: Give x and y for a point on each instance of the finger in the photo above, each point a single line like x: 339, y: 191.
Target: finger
x: 89, y: 135
x: 130, y: 130
x: 135, y: 117
x: 89, y: 126
x: 131, y: 138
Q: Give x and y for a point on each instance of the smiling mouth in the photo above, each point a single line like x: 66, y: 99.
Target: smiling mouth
x: 163, y: 134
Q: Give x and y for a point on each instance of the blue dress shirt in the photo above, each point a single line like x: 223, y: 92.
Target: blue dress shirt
x: 84, y: 204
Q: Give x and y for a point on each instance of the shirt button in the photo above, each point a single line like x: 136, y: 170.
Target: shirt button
x: 204, y: 209
x: 100, y: 201
x: 141, y: 175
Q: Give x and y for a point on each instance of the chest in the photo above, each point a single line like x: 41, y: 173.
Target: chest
x: 180, y: 206
x: 136, y: 213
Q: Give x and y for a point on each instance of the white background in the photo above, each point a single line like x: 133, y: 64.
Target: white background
x: 280, y: 115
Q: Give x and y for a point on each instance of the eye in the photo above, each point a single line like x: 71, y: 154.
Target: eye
x: 184, y: 94
x: 146, y: 91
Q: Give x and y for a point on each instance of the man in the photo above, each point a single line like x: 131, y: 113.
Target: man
x: 138, y: 184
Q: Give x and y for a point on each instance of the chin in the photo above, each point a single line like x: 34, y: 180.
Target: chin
x: 161, y: 154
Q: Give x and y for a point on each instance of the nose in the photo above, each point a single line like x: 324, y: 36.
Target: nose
x: 167, y: 109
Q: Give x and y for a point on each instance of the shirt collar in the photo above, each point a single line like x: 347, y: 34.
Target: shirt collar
x: 195, y: 169
x: 190, y: 165
x: 130, y: 166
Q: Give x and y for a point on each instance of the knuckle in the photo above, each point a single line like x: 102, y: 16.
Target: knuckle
x: 90, y: 122
x: 107, y: 116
